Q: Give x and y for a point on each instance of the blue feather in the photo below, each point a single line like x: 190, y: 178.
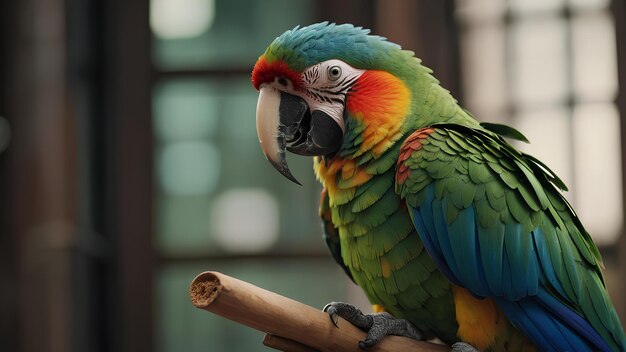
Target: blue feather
x: 433, y: 250
x: 442, y: 235
x: 519, y: 319
x: 532, y: 274
x: 481, y: 269
x: 492, y: 242
x: 512, y: 243
x: 462, y: 236
x: 507, y: 284
x: 546, y: 262
x: 551, y: 325
x: 543, y: 329
x: 574, y: 321
x: 574, y: 339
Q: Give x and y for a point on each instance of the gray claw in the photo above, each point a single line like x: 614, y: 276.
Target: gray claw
x: 332, y: 313
x: 367, y: 343
x: 463, y: 347
x: 376, y: 325
x: 349, y: 313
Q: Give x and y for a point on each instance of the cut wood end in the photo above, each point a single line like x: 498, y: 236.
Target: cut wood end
x: 204, y: 289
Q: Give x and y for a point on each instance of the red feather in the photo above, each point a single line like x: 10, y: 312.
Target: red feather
x: 411, y: 144
x: 266, y: 72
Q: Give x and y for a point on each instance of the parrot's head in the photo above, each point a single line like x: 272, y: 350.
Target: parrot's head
x: 312, y: 80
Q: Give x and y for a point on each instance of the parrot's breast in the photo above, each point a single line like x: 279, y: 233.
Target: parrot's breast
x: 383, y: 252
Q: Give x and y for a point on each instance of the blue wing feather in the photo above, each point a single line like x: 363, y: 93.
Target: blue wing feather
x: 492, y: 259
x: 548, y: 333
x: 513, y: 239
x: 441, y: 228
x: 462, y: 234
x: 574, y: 321
x: 433, y: 250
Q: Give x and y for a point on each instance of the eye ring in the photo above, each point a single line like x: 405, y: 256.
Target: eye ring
x: 334, y: 72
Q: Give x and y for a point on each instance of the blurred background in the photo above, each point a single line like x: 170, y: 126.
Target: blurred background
x: 130, y: 161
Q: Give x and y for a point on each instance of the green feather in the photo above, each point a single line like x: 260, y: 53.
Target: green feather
x: 485, y: 214
x: 371, y: 193
x: 384, y: 237
x: 385, y: 162
x: 504, y: 131
x: 478, y: 173
x: 536, y: 186
x: 379, y: 211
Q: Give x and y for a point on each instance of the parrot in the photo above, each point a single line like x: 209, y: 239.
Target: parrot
x: 450, y: 231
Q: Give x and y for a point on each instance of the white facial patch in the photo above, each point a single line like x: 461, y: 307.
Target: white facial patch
x: 326, y: 85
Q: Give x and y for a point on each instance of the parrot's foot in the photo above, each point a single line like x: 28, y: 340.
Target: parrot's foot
x: 463, y: 347
x: 376, y: 325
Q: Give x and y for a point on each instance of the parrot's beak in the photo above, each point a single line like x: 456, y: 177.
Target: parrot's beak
x: 284, y: 122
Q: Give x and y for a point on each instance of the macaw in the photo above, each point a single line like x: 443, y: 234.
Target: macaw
x: 446, y: 226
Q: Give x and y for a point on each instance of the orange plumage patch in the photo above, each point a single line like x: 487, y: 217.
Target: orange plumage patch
x: 483, y: 324
x: 377, y: 308
x: 381, y: 101
x: 480, y: 321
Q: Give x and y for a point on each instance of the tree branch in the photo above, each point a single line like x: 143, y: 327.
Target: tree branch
x: 291, y: 325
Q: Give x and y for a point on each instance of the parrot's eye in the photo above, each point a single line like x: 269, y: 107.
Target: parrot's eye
x: 334, y: 72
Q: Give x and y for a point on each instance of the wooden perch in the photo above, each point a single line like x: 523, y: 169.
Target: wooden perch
x: 290, y: 325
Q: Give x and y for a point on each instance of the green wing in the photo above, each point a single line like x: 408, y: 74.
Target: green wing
x: 494, y: 222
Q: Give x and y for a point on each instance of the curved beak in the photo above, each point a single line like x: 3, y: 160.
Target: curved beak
x: 284, y: 122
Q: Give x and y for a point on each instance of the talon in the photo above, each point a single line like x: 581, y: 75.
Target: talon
x: 376, y: 325
x: 335, y: 319
x: 365, y: 344
x: 332, y: 313
x: 463, y: 347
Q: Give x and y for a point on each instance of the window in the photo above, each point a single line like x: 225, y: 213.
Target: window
x: 550, y: 69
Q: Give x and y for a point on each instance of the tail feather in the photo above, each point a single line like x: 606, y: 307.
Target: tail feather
x: 552, y: 325
x: 577, y: 323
